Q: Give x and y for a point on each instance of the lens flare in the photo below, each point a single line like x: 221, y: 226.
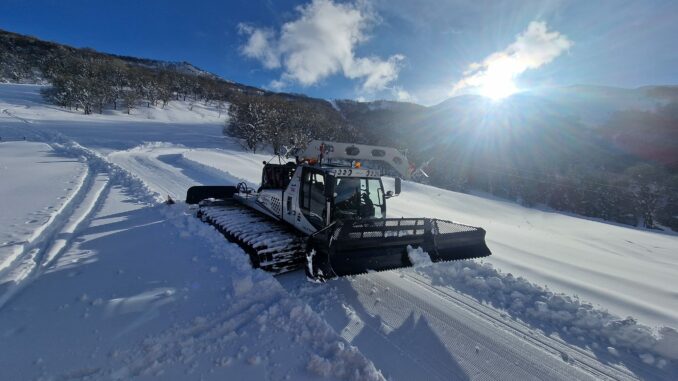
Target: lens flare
x: 497, y: 90
x: 497, y: 82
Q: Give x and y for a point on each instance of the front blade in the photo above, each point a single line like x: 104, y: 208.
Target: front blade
x: 354, y: 247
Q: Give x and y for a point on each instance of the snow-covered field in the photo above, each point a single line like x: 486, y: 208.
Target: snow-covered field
x: 24, y: 167
x: 99, y: 280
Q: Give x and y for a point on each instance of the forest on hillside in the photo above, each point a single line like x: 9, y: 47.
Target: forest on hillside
x: 92, y: 82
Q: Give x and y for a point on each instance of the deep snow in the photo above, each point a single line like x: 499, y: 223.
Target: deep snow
x: 133, y: 297
x: 165, y: 326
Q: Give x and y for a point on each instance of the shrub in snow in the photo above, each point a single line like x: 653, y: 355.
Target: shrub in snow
x: 320, y: 366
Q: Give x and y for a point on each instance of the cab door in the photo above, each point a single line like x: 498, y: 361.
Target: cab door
x: 312, y: 202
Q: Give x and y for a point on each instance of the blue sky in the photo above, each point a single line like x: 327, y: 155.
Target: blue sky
x: 424, y: 51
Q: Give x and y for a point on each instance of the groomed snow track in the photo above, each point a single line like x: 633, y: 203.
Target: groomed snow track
x: 413, y: 329
x: 271, y: 246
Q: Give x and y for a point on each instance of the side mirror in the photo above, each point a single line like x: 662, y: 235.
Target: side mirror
x: 398, y: 185
x: 330, y: 184
x: 388, y: 194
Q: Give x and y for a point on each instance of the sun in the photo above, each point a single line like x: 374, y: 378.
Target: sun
x: 498, y: 88
x: 497, y: 82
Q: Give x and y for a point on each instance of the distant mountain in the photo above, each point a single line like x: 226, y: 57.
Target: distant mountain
x: 25, y: 59
x: 589, y: 104
x: 180, y: 67
x: 643, y: 121
x: 640, y: 121
x: 597, y: 151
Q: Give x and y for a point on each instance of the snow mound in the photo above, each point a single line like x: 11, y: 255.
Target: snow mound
x: 557, y: 313
x: 418, y: 256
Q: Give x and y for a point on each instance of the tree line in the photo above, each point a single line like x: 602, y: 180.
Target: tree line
x: 641, y: 195
x: 280, y: 121
x: 91, y: 84
x: 90, y: 81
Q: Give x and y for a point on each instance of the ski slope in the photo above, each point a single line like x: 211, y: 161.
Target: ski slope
x: 159, y: 293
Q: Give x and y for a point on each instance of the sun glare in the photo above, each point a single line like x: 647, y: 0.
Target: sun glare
x: 497, y: 89
x: 496, y: 81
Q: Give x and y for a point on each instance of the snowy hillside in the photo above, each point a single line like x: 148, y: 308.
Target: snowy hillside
x: 99, y: 280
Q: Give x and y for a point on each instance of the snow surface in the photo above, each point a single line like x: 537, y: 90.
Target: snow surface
x: 123, y: 287
x: 25, y: 167
x: 630, y: 272
x: 134, y: 298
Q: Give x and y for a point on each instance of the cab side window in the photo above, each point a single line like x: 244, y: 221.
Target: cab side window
x: 312, y: 200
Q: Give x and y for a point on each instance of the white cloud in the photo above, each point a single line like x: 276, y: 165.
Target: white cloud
x: 259, y: 46
x: 534, y: 47
x: 403, y: 95
x: 277, y: 85
x: 321, y: 42
x: 377, y: 73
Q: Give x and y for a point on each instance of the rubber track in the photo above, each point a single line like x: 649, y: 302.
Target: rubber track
x: 271, y: 246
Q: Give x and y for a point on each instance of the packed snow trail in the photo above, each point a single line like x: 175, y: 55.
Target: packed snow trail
x: 168, y: 170
x: 412, y: 331
x: 162, y: 178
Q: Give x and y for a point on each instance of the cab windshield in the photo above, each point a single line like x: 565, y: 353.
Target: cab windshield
x: 358, y: 198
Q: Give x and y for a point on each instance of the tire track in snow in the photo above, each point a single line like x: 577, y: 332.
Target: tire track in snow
x: 571, y: 354
x: 162, y: 178
x: 30, y: 255
x: 166, y: 170
x: 55, y: 236
x: 35, y: 237
x: 440, y: 334
x: 11, y: 115
x: 75, y: 221
x: 478, y: 348
x: 51, y: 240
